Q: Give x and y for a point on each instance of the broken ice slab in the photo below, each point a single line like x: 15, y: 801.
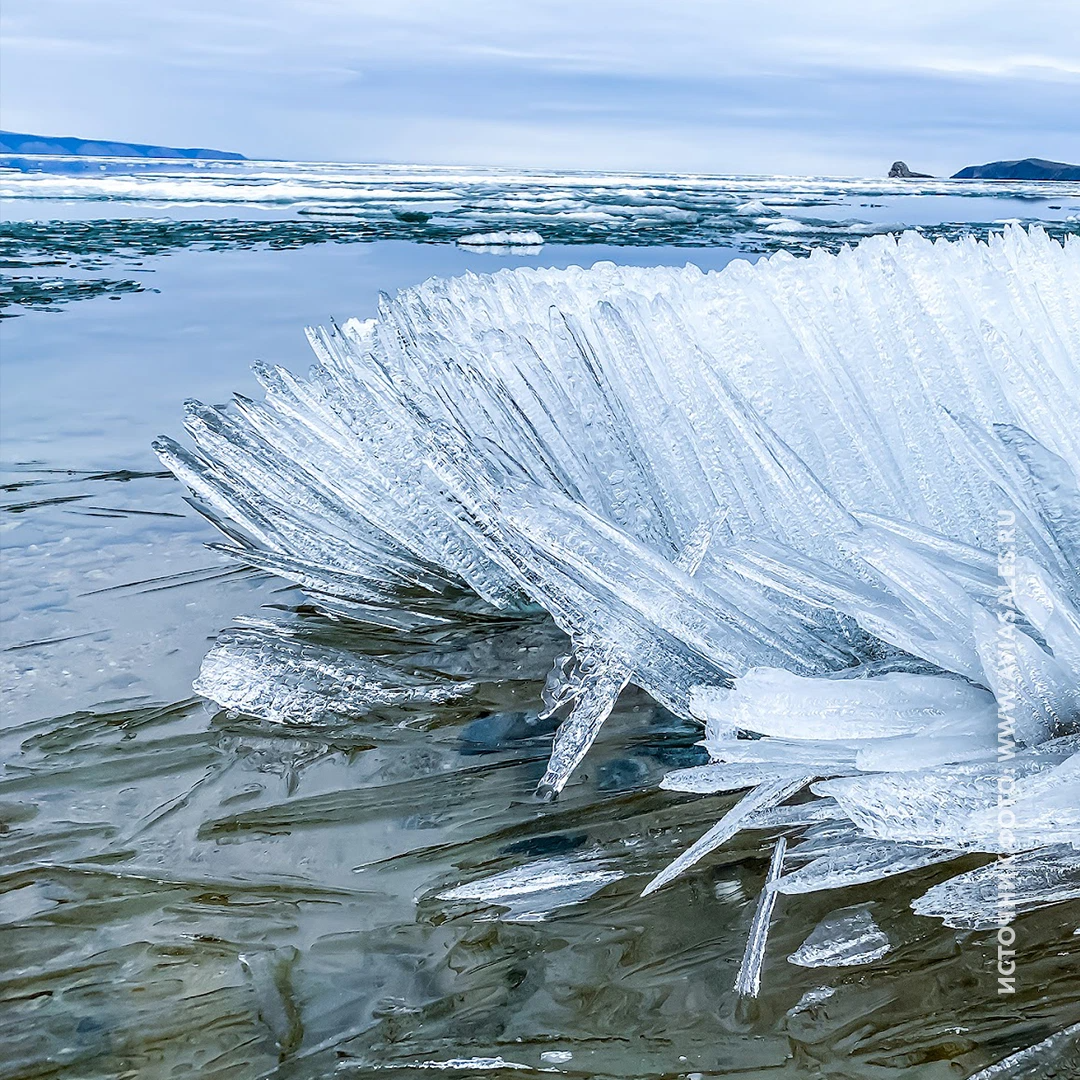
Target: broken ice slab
x: 811, y: 999
x: 275, y: 672
x: 976, y: 899
x: 781, y: 704
x: 1044, y: 700
x: 823, y: 838
x: 824, y: 756
x: 530, y: 893
x: 956, y: 805
x: 1053, y: 613
x: 724, y: 776
x: 807, y: 813
x: 908, y: 752
x: 847, y: 938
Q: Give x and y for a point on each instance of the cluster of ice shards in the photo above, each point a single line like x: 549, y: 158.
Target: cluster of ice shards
x: 828, y: 506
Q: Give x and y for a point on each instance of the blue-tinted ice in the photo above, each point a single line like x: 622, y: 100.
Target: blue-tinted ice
x: 827, y: 506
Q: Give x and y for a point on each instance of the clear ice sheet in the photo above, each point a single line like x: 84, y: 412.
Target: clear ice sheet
x: 861, y: 426
x: 847, y: 938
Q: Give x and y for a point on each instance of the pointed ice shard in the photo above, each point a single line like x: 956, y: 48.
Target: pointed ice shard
x: 765, y: 796
x: 748, y: 979
x: 593, y: 686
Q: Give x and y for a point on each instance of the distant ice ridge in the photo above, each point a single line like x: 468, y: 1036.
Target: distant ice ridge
x: 827, y: 506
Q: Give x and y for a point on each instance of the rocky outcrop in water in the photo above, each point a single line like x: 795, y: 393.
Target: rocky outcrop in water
x: 900, y: 171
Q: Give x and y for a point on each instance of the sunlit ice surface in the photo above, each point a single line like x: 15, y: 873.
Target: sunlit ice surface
x: 348, y: 869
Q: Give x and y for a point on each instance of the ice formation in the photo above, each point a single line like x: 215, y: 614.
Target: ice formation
x: 827, y: 506
x: 748, y: 979
x: 1058, y: 1055
x: 530, y: 892
x: 847, y: 938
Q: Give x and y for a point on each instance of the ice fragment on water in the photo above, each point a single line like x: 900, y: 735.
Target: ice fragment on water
x: 847, y: 938
x: 271, y: 671
x: 532, y: 891
x: 973, y: 900
x: 514, y: 238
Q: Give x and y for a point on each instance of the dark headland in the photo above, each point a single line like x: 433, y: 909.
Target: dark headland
x: 1024, y: 169
x: 12, y: 142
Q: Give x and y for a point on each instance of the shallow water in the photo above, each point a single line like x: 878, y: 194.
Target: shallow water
x: 188, y: 892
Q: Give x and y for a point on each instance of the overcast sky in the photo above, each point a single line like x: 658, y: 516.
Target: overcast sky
x: 800, y: 86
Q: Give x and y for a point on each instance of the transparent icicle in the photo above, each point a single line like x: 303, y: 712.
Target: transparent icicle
x: 748, y: 980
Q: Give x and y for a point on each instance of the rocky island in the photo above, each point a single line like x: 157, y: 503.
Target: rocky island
x: 900, y: 171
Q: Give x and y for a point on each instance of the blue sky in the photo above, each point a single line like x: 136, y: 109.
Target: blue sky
x: 835, y: 86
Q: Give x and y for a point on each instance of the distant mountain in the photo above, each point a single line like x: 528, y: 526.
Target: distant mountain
x: 12, y: 142
x: 1027, y: 169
